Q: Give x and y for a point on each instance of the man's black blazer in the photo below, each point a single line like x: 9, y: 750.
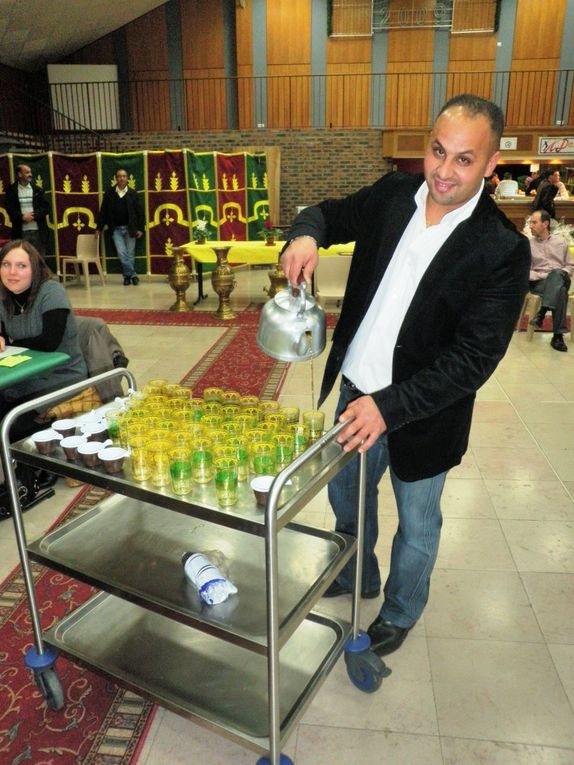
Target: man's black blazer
x: 456, y: 329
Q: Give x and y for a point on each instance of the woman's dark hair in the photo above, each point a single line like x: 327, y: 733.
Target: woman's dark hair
x: 544, y: 199
x: 40, y: 272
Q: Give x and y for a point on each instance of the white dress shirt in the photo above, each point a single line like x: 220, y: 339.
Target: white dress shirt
x: 369, y: 358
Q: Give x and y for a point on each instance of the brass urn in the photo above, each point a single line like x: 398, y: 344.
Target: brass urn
x: 179, y: 278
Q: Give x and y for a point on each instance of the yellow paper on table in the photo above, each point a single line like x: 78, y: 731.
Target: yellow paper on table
x: 13, y: 361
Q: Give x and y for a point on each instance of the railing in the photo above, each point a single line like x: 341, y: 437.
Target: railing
x: 28, y: 124
x: 538, y: 98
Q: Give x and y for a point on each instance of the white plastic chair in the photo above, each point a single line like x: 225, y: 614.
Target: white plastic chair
x: 331, y: 277
x: 87, y: 251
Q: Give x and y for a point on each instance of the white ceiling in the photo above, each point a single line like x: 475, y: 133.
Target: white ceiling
x: 34, y: 33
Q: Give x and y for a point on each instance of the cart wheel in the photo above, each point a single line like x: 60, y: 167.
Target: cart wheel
x: 366, y: 670
x: 283, y: 760
x: 49, y: 683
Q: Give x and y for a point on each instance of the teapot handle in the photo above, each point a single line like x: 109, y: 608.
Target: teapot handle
x: 302, y: 298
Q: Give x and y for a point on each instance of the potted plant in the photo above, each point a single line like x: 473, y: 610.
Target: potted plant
x: 269, y: 232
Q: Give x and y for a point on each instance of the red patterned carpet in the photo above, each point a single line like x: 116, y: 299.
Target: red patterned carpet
x: 101, y: 723
x: 247, y: 318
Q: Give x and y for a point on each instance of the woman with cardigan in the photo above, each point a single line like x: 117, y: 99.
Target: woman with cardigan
x: 35, y: 313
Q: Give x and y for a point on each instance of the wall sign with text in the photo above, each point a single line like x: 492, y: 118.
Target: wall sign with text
x: 556, y: 145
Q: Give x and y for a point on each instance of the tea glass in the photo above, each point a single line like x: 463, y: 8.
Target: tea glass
x: 202, y: 465
x: 226, y: 478
x: 180, y: 471
x: 158, y: 455
x: 262, y: 458
x: 237, y: 452
x: 291, y: 413
x: 139, y: 458
x: 212, y: 394
x: 269, y: 406
x: 314, y: 422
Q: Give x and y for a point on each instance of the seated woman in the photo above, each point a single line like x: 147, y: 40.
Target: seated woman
x: 35, y: 313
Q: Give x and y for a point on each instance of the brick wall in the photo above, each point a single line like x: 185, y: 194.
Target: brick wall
x: 315, y: 164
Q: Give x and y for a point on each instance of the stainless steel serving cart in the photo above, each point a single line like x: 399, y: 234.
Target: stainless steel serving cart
x: 246, y: 668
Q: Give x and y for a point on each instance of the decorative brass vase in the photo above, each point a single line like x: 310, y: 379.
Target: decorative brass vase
x: 179, y: 278
x: 278, y: 281
x: 223, y: 281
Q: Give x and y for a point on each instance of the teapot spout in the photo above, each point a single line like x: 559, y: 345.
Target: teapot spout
x: 305, y: 343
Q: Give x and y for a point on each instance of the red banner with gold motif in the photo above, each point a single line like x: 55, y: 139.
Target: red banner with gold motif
x: 232, y: 196
x: 168, y: 222
x: 75, y: 184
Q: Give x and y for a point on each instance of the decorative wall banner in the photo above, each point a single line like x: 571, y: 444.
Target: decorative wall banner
x: 178, y: 188
x: 556, y: 145
x: 167, y: 215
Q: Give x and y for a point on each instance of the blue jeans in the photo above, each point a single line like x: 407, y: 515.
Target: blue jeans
x: 416, y: 541
x: 126, y: 248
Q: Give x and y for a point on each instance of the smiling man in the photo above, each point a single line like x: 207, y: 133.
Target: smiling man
x: 436, y: 283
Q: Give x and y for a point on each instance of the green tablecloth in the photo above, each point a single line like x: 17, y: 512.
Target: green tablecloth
x: 40, y: 361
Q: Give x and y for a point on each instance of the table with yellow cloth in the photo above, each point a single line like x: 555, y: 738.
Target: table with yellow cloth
x: 219, y: 253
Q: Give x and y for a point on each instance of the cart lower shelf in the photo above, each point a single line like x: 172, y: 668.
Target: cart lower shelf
x: 194, y: 674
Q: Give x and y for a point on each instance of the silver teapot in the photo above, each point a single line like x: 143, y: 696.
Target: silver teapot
x: 292, y: 326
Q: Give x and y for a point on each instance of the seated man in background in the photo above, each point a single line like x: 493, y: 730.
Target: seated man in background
x: 550, y: 272
x: 507, y: 187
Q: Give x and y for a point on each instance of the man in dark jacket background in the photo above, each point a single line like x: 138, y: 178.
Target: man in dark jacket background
x: 436, y: 283
x: 122, y: 212
x: 28, y: 209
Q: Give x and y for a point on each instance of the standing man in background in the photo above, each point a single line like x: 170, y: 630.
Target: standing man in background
x: 437, y: 280
x: 28, y: 209
x: 122, y: 212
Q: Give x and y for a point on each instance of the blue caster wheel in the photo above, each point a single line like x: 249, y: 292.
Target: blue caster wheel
x: 49, y: 684
x: 366, y: 670
x: 283, y: 760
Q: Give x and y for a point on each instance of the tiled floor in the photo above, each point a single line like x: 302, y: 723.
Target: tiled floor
x: 487, y: 676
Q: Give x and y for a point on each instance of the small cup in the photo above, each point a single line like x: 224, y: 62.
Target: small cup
x: 94, y: 431
x: 70, y: 446
x: 261, y: 485
x: 89, y: 450
x: 113, y: 458
x: 226, y: 481
x: 180, y: 471
x: 46, y: 441
x: 66, y: 427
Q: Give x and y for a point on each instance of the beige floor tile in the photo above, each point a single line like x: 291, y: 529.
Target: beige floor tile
x: 468, y: 467
x: 330, y: 746
x: 527, y: 392
x: 494, y: 411
x: 499, y: 691
x: 480, y: 605
x: 477, y: 544
x: 569, y: 486
x: 491, y: 391
x: 530, y: 500
x: 562, y: 461
x: 403, y: 704
x: 466, y: 498
x: 466, y: 752
x: 505, y: 435
x: 549, y: 411
x: 541, y: 545
x: 178, y: 741
x: 496, y: 462
x: 552, y: 598
x: 553, y: 435
x: 563, y: 658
